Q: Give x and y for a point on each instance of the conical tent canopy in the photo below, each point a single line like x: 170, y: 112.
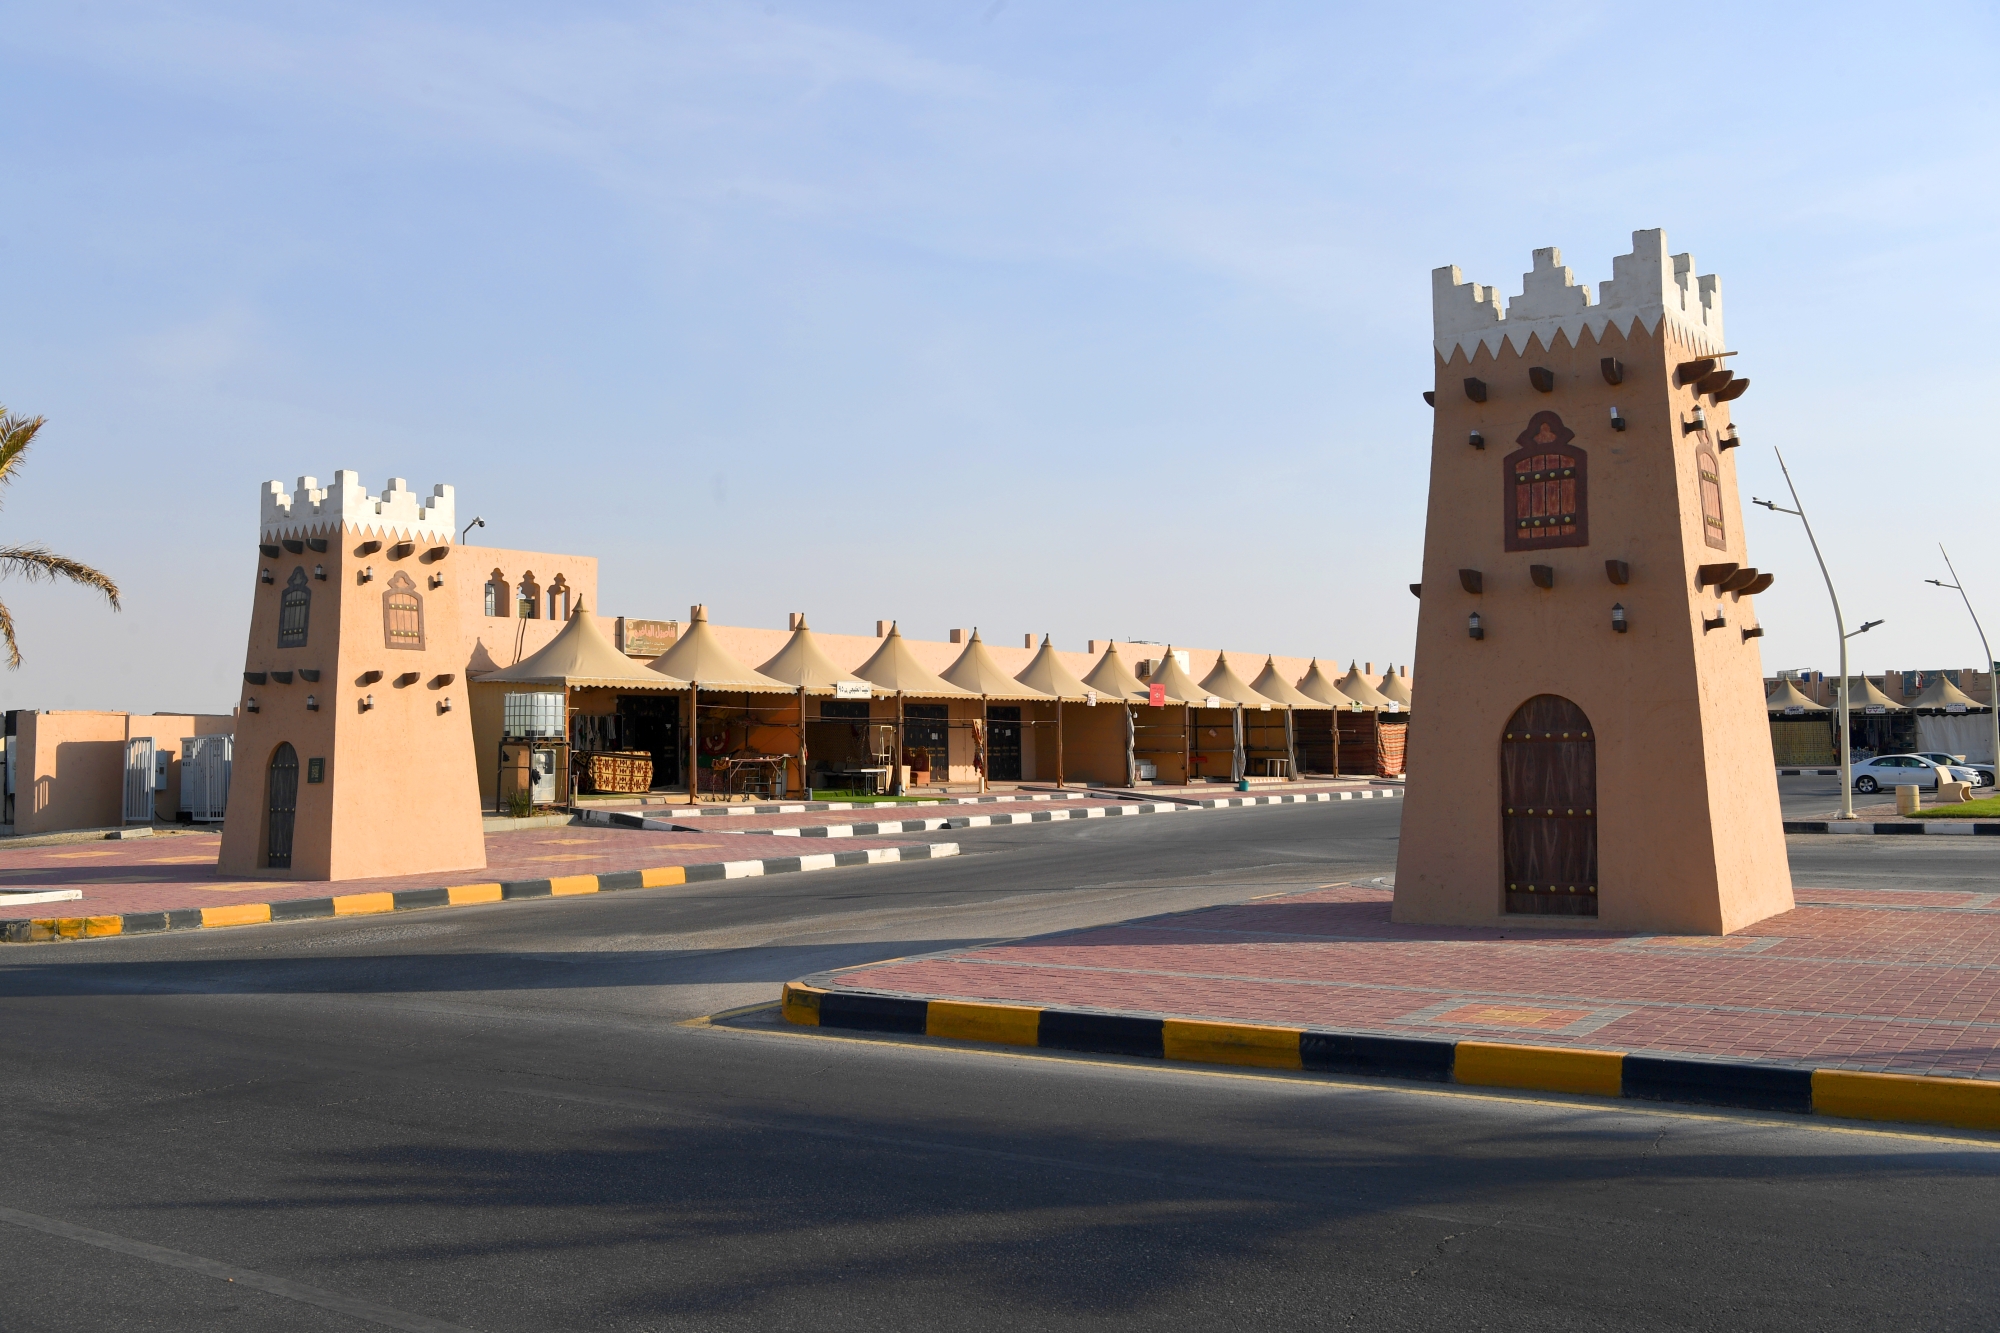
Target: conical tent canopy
x: 1316, y: 684
x: 803, y: 664
x: 1048, y: 674
x: 1941, y: 694
x: 895, y: 668
x: 1396, y: 686
x: 976, y: 671
x: 1112, y: 679
x: 699, y: 656
x: 1862, y: 694
x: 1225, y: 684
x: 1181, y: 688
x: 1788, y: 696
x: 1355, y: 686
x: 581, y: 655
x: 1277, y: 689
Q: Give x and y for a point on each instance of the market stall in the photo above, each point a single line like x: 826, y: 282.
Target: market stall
x: 1088, y: 741
x: 1802, y: 729
x: 996, y: 734
x: 1372, y: 738
x: 1115, y: 684
x: 1250, y: 722
x: 925, y: 704
x: 843, y: 750
x: 581, y: 732
x: 745, y: 730
x: 1952, y: 721
x: 1876, y: 724
x: 1207, y: 732
x: 1298, y: 706
x: 1319, y: 736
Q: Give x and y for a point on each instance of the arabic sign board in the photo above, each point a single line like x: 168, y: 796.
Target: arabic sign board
x: 850, y: 689
x: 646, y: 638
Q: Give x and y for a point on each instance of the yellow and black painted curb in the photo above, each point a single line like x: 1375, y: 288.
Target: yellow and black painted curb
x: 35, y: 930
x: 1967, y: 1103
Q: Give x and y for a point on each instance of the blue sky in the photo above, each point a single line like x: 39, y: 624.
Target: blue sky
x: 1102, y: 320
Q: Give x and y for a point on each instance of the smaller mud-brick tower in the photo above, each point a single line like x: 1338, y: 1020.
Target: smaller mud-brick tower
x: 1589, y: 745
x: 354, y: 749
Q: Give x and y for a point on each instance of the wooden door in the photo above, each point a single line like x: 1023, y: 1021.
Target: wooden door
x: 1548, y: 809
x: 284, y: 792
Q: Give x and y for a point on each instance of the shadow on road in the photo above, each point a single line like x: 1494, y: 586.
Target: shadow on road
x: 415, y: 973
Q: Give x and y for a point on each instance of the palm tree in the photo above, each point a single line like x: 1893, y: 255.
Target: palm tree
x: 34, y: 562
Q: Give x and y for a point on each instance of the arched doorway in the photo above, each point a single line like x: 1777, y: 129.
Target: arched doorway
x: 284, y: 791
x: 1548, y: 809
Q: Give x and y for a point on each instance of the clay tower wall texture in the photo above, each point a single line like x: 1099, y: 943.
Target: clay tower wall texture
x: 353, y: 712
x: 1565, y: 772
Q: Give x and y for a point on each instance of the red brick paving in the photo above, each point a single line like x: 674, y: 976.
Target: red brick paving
x: 164, y: 874
x: 1866, y: 979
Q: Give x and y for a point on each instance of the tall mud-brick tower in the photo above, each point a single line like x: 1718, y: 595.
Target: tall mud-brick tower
x: 353, y: 749
x: 1589, y: 745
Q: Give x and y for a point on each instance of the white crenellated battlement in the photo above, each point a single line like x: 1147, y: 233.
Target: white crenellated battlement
x: 347, y: 502
x: 1646, y: 286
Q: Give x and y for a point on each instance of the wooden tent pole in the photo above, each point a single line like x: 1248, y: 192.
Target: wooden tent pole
x: 694, y: 742
x: 1059, y: 742
x: 1187, y: 743
x: 805, y: 782
x: 1239, y: 767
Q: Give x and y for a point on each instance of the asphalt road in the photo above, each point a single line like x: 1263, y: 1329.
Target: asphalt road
x: 501, y: 1118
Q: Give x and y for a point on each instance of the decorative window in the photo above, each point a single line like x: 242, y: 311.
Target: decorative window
x: 1710, y: 478
x: 496, y: 595
x: 1546, y: 501
x: 528, y: 597
x: 403, y: 613
x: 559, y: 599
x: 294, y: 610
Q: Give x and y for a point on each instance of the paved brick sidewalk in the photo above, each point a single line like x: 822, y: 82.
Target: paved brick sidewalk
x: 171, y: 874
x: 1904, y: 981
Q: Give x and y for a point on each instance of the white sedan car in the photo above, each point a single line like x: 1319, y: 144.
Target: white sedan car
x: 1906, y: 770
x: 1983, y: 772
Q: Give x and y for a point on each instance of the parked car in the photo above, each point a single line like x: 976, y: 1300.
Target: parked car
x: 1907, y: 770
x: 1985, y: 771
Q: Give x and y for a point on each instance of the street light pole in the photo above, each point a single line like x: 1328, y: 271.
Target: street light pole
x: 1993, y: 668
x: 1840, y: 627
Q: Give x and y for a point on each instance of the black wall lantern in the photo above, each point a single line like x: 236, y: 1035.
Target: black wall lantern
x: 1477, y: 441
x: 1473, y: 627
x: 1617, y: 618
x: 1617, y: 418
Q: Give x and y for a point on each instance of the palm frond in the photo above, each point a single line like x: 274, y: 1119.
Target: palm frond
x: 36, y: 563
x: 7, y: 633
x: 15, y: 435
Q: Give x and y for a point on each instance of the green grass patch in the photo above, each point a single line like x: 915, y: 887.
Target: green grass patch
x: 869, y: 798
x: 1986, y: 808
